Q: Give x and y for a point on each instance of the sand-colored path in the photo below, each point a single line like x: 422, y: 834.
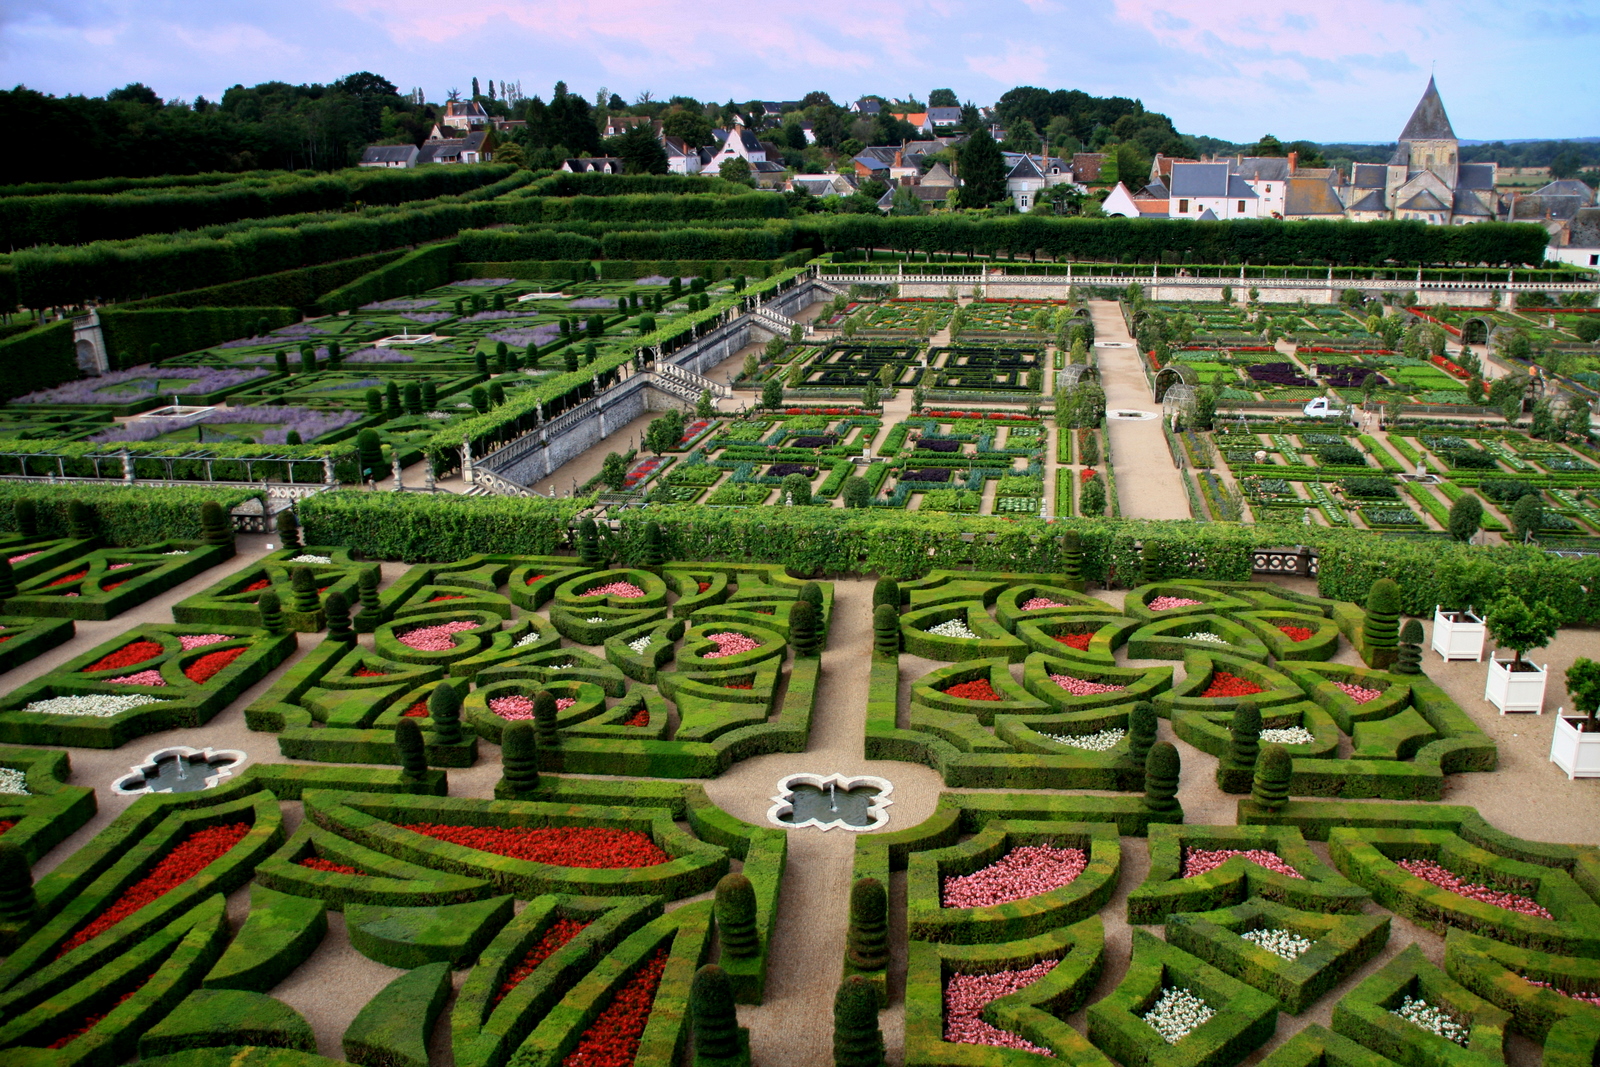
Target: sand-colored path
x: 1148, y: 485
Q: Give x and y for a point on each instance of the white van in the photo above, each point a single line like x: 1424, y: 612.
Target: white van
x: 1322, y: 408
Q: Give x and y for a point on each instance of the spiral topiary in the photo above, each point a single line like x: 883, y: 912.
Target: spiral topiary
x: 444, y: 709
x: 655, y: 553
x: 1071, y: 557
x: 271, y: 609
x: 26, y: 514
x: 712, y: 1012
x: 215, y: 528
x: 80, y: 520
x: 805, y: 630
x: 519, y: 756
x: 288, y: 529
x: 1381, y: 631
x: 857, y: 1037
x: 413, y: 757
x: 1162, y: 768
x: 1408, y: 657
x: 367, y: 592
x: 886, y: 591
x: 1244, y: 737
x: 811, y: 593
x: 589, y: 552
x: 1273, y: 769
x: 16, y: 884
x: 337, y: 609
x: 886, y: 630
x: 735, y: 909
x: 304, y: 585
x: 867, y: 943
x: 544, y: 718
x: 1141, y: 732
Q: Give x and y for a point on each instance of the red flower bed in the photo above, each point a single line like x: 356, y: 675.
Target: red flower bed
x: 554, y: 939
x: 640, y: 718
x: 1430, y: 871
x: 535, y: 578
x: 562, y: 846
x: 977, y: 689
x: 6, y: 824
x: 419, y: 710
x: 737, y: 685
x: 208, y: 666
x: 1077, y: 641
x: 613, y: 1039
x: 1298, y: 633
x: 693, y: 430
x: 1224, y: 684
x: 703, y: 586
x: 1200, y: 860
x: 258, y: 585
x: 368, y: 672
x: 92, y: 1021
x: 995, y: 416
x: 113, y: 585
x: 70, y: 578
x: 1086, y: 475
x: 186, y: 860
x: 640, y: 472
x: 317, y: 863
x: 1450, y: 368
x: 127, y: 656
x: 447, y: 596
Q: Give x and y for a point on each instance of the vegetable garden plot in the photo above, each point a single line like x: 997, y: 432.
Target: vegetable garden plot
x: 850, y: 366
x: 988, y: 370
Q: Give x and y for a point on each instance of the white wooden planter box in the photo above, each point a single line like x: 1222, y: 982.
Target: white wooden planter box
x: 1519, y: 691
x: 1457, y: 634
x: 1575, y: 753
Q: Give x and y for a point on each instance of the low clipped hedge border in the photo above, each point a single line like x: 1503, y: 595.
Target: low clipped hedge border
x: 152, y: 572
x: 1364, y: 1015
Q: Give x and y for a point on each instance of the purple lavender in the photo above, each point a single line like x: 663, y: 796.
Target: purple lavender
x: 484, y: 281
x: 540, y: 335
x: 427, y: 317
x: 398, y: 305
x: 594, y: 302
x: 656, y: 279
x: 378, y: 355
x: 120, y: 387
x: 309, y: 423
x: 496, y: 316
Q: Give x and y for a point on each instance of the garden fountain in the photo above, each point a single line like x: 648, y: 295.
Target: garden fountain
x: 179, y: 769
x: 854, y: 803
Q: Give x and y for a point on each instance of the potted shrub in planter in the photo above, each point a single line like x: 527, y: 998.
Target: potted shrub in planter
x: 1458, y: 634
x: 1575, y: 745
x: 1518, y: 685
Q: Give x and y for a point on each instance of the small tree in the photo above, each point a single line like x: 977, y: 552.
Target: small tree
x: 886, y: 591
x: 857, y: 492
x: 1273, y: 771
x: 857, y: 1037
x: 544, y: 719
x: 1527, y: 517
x: 772, y: 394
x: 215, y: 528
x: 337, y: 609
x: 589, y: 551
x: 805, y: 629
x: 886, y: 630
x: 1466, y: 517
x: 444, y: 711
x: 288, y: 529
x: 704, y: 408
x: 869, y: 395
x: 1162, y: 768
x: 1583, y: 686
x: 1244, y: 737
x: 303, y: 584
x: 1072, y: 558
x: 867, y: 943
x: 1381, y: 630
x: 1092, y: 502
x: 374, y: 402
x: 371, y: 606
x: 413, y: 757
x: 369, y: 450
x: 712, y: 1012
x: 519, y: 756
x: 655, y: 553
x: 1521, y: 627
x: 796, y: 490
x: 614, y: 471
x: 735, y: 910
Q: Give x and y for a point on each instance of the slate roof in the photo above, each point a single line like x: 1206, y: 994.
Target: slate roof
x: 1311, y: 196
x: 1429, y: 122
x: 1154, y: 191
x: 1025, y: 168
x: 1423, y: 201
x: 871, y: 162
x: 1370, y: 176
x: 1467, y: 204
x: 1476, y: 176
x: 1208, y: 216
x: 1372, y: 201
x: 1199, y: 179
x: 1585, y: 229
x: 816, y: 187
x: 1239, y: 189
x: 389, y: 153
x: 939, y: 175
x: 1535, y: 207
x: 944, y: 116
x: 867, y: 107
x: 1567, y: 187
x: 1262, y: 168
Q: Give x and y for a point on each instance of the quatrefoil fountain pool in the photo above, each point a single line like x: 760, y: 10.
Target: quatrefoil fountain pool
x: 825, y: 801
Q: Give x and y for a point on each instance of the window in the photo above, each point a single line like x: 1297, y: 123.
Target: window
x: 1241, y: 207
x: 1024, y: 199
x: 1183, y: 207
x: 1594, y: 261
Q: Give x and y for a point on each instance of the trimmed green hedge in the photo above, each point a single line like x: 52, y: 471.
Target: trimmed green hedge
x: 1364, y: 1014
x: 41, y: 358
x: 280, y: 933
x: 140, y: 515
x: 209, y: 1017
x: 130, y: 334
x: 393, y: 1028
x: 115, y: 580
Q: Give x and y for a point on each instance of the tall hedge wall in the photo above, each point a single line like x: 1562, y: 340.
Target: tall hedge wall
x: 1253, y: 240
x: 174, y: 331
x: 298, y: 288
x: 563, y: 183
x: 414, y: 272
x: 38, y: 359
x: 645, y: 207
x: 427, y: 527
x: 122, y: 516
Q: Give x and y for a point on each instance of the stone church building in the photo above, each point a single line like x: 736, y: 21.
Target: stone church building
x: 1424, y: 179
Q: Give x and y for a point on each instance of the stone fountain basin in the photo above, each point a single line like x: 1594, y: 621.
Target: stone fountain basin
x: 159, y: 773
x: 805, y: 792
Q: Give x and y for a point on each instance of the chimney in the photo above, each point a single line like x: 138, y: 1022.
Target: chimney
x: 1294, y: 161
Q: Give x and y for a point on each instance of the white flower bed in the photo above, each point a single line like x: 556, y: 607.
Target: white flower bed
x: 1283, y: 943
x: 1176, y: 1013
x: 1425, y: 1016
x: 13, y: 782
x: 99, y: 706
x: 1104, y: 741
x: 524, y: 642
x: 953, y: 628
x: 639, y: 644
x: 596, y: 619
x: 177, y: 552
x: 1206, y: 635
x: 306, y: 557
x: 1287, y: 735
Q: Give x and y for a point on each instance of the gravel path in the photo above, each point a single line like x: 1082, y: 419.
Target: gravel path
x: 1148, y: 485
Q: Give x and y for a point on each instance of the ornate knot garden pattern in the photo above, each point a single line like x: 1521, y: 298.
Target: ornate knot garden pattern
x: 579, y: 902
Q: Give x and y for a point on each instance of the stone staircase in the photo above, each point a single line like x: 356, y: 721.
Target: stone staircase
x: 685, y: 384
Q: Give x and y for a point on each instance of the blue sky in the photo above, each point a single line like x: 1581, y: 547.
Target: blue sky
x: 1234, y: 69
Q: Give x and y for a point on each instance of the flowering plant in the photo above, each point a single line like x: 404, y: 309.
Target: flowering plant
x: 127, y: 656
x: 149, y: 677
x: 98, y: 706
x: 625, y: 590
x: 560, y: 932
x: 208, y: 666
x: 1297, y: 633
x: 953, y: 628
x: 1102, y: 741
x: 434, y: 638
x: 1081, y: 688
x: 1077, y: 641
x: 612, y: 1040
x: 1039, y: 603
x: 1287, y: 735
x: 1023, y: 872
x: 317, y: 863
x: 1430, y: 871
x: 1201, y: 860
x: 977, y: 689
x: 1359, y: 694
x: 1166, y: 603
x: 966, y: 995
x: 561, y: 846
x: 1425, y: 1016
x: 1285, y: 944
x: 729, y: 644
x: 1177, y: 1013
x: 1224, y: 684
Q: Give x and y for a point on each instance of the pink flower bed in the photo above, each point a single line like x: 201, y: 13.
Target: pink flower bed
x: 118, y: 566
x: 515, y: 708
x: 151, y: 677
x: 189, y: 641
x: 434, y: 638
x: 1430, y: 871
x: 25, y: 555
x: 1040, y: 602
x: 729, y: 645
x: 1166, y: 603
x: 1080, y: 688
x: 1359, y: 694
x: 625, y: 590
x: 1586, y: 998
x: 563, y: 703
x: 1200, y: 860
x: 966, y: 995
x: 1021, y: 873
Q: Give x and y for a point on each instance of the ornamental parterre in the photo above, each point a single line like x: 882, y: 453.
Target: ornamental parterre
x: 1023, y: 872
x: 554, y: 939
x: 1101, y: 741
x: 1224, y: 684
x: 953, y: 628
x: 729, y: 644
x: 966, y: 995
x: 1287, y: 735
x: 621, y: 590
x: 1430, y: 871
x: 562, y: 846
x: 613, y: 1038
x: 1077, y: 641
x: 1359, y: 694
x: 1176, y: 1013
x: 1167, y: 603
x: 1435, y: 1020
x: 95, y: 706
x: 1284, y: 944
x: 1200, y: 860
x: 1079, y: 687
x: 438, y: 638
x: 977, y: 689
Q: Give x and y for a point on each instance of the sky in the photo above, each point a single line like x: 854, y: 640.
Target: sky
x: 1235, y: 69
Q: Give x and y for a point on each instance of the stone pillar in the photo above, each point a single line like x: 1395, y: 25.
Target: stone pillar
x: 395, y: 465
x: 127, y: 466
x: 467, y: 473
x: 327, y: 471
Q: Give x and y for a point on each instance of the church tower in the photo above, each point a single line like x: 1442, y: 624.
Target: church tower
x: 1428, y: 142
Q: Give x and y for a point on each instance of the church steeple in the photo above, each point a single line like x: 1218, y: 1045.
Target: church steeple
x: 1428, y: 121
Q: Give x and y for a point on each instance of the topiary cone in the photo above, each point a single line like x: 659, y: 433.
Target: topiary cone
x: 886, y: 630
x: 544, y: 718
x: 713, y: 1015
x: 271, y: 609
x: 1244, y: 737
x: 1162, y: 768
x: 337, y: 609
x: 16, y: 884
x: 80, y: 520
x: 1273, y: 770
x: 811, y: 593
x: 519, y: 756
x: 1408, y: 657
x: 304, y: 585
x: 735, y: 909
x: 413, y: 757
x: 886, y: 591
x: 654, y: 553
x: 444, y: 709
x: 1380, y: 632
x: 803, y: 629
x: 288, y: 529
x: 867, y: 943
x: 857, y: 1038
x: 367, y: 591
x: 1141, y: 732
x: 215, y: 528
x: 1071, y: 557
x: 589, y: 553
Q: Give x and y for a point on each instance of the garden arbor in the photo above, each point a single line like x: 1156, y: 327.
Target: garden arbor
x: 1175, y: 375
